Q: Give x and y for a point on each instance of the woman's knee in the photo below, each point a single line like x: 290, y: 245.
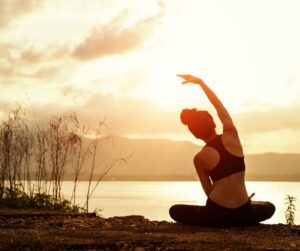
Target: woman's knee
x: 172, y: 211
x: 270, y: 209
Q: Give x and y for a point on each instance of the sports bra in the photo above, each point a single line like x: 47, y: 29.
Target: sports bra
x: 228, y: 163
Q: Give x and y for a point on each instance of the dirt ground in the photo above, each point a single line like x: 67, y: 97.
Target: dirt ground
x: 40, y: 230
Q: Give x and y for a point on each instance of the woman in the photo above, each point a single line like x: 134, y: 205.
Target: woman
x: 221, y: 170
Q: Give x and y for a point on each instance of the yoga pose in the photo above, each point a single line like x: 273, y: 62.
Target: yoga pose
x: 221, y: 169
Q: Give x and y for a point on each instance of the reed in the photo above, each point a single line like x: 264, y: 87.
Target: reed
x: 34, y: 160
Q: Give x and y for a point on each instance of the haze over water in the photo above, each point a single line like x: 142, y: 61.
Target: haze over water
x: 153, y: 199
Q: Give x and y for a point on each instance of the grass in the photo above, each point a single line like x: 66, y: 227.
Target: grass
x: 18, y: 199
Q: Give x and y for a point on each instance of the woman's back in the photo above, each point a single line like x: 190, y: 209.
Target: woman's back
x: 230, y: 191
x: 224, y: 160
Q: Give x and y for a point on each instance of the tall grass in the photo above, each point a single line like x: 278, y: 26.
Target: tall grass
x: 33, y: 160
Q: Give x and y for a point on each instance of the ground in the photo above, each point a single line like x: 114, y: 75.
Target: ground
x: 42, y: 230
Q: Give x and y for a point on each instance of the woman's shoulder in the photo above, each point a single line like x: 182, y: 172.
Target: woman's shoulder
x: 207, y: 158
x: 232, y: 143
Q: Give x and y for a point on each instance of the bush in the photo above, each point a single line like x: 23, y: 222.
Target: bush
x: 18, y: 199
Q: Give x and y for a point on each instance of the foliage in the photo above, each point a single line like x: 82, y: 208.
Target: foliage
x: 33, y: 161
x: 18, y: 199
x: 290, y: 211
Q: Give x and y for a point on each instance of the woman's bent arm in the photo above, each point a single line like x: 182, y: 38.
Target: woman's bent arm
x: 204, y: 178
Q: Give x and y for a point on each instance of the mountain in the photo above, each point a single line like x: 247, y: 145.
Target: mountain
x: 160, y: 159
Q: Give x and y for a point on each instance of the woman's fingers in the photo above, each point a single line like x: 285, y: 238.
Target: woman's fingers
x: 250, y: 197
x: 186, y: 78
x: 183, y: 76
x: 189, y: 79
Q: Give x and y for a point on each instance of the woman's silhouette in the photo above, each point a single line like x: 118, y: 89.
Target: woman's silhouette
x: 221, y: 170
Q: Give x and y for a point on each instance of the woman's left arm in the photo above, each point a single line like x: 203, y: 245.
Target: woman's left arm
x: 203, y: 176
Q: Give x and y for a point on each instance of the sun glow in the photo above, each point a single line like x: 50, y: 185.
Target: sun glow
x: 132, y: 50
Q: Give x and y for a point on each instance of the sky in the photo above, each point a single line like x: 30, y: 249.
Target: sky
x: 118, y: 59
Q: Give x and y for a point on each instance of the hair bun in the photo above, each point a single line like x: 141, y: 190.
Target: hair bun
x: 187, y: 115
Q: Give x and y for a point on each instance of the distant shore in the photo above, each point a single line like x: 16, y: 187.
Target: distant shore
x: 263, y: 178
x: 42, y: 230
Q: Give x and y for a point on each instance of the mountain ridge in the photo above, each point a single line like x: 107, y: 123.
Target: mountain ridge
x: 163, y: 159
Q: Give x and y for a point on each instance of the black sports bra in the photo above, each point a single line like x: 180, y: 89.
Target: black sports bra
x: 228, y: 164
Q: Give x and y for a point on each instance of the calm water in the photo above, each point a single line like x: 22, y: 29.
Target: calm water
x: 153, y: 199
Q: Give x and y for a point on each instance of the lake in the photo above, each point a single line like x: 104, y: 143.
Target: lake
x: 152, y: 199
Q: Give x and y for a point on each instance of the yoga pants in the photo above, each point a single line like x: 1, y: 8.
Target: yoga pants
x: 216, y: 215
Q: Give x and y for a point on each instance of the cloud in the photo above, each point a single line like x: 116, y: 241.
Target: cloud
x: 30, y: 62
x: 133, y: 116
x: 270, y: 119
x: 114, y: 38
x: 7, y: 62
x: 31, y: 56
x: 11, y: 10
x: 124, y: 115
x: 72, y: 92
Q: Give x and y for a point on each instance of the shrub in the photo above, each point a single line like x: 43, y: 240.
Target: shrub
x: 290, y: 211
x: 18, y: 199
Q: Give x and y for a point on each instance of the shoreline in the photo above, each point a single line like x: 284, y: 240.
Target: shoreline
x: 48, y: 230
x: 178, y: 179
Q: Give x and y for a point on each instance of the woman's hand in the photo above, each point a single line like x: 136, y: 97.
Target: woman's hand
x: 250, y: 197
x: 190, y: 79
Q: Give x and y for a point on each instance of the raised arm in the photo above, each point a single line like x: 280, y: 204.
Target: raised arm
x: 215, y: 101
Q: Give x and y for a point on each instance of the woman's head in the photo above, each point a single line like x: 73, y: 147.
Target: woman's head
x: 200, y: 123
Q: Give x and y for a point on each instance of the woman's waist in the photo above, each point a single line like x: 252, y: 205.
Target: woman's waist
x: 229, y: 195
x: 229, y: 202
x: 212, y: 204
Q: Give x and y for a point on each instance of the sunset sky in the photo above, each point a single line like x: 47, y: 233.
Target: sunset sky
x: 119, y: 59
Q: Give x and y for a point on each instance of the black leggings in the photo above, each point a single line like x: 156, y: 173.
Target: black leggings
x: 216, y: 215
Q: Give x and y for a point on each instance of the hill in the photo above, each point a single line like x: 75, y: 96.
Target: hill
x: 160, y: 159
